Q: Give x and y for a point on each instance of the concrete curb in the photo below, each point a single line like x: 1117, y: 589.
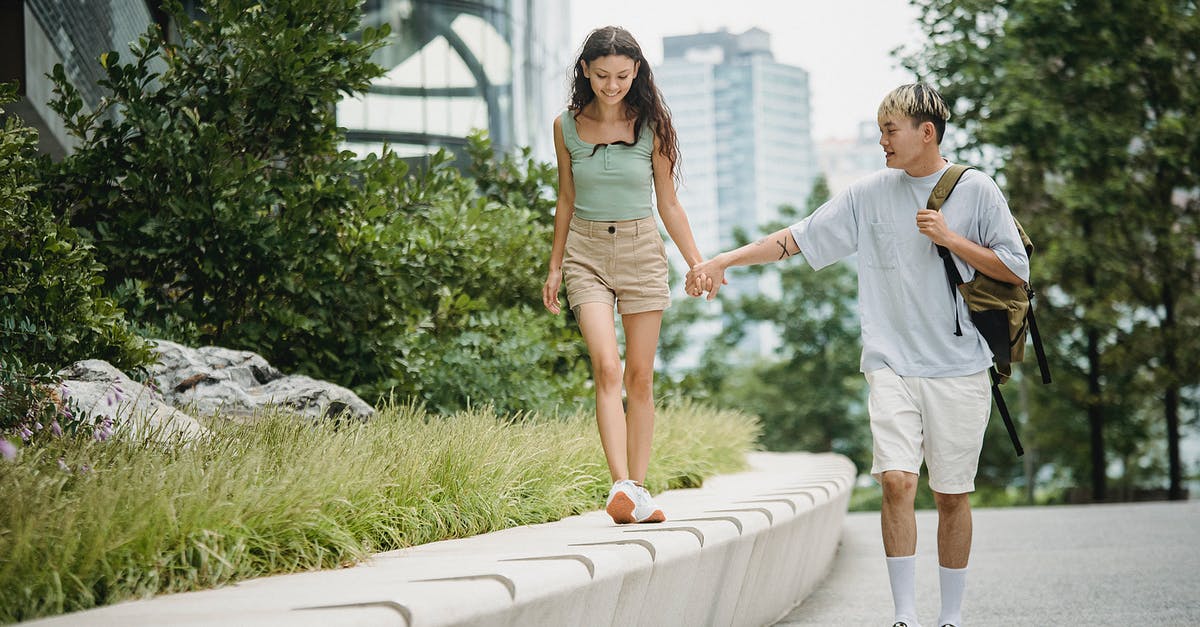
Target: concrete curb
x: 743, y: 550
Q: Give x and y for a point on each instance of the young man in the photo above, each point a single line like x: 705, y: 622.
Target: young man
x: 929, y: 397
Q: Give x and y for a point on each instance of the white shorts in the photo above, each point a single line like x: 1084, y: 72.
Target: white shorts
x: 938, y: 420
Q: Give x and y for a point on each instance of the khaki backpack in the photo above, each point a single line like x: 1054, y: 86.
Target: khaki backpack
x: 1003, y: 312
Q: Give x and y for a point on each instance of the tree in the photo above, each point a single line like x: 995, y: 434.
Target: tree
x: 1093, y: 107
x: 812, y: 396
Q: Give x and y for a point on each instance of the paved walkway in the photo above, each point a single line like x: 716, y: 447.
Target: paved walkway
x: 1129, y: 564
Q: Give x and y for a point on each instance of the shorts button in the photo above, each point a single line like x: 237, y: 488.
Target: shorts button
x: 612, y: 229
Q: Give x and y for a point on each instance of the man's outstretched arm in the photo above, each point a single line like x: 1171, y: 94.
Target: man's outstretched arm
x: 709, y: 276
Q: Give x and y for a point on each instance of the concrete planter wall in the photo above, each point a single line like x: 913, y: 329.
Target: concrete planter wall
x: 743, y: 550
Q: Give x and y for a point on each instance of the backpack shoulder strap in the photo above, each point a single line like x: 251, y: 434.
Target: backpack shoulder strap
x: 940, y: 193
x: 945, y: 185
x: 1003, y: 408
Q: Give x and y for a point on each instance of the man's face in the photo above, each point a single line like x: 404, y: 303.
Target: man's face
x: 903, y: 141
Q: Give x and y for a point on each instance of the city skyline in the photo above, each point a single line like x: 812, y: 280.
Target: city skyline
x: 843, y: 46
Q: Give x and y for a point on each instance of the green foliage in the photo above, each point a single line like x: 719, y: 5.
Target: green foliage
x: 514, y: 181
x: 52, y: 311
x: 36, y: 409
x: 211, y: 184
x: 472, y: 267
x: 90, y: 524
x: 811, y: 397
x: 1093, y: 111
x: 209, y: 179
x: 29, y: 406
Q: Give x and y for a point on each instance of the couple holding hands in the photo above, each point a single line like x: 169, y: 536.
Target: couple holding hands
x: 929, y: 391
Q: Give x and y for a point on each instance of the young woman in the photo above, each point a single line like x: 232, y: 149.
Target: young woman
x: 614, y: 143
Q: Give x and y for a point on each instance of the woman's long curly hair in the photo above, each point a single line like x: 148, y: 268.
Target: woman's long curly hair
x: 643, y: 99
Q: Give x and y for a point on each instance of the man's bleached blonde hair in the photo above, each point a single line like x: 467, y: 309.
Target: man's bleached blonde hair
x: 917, y: 101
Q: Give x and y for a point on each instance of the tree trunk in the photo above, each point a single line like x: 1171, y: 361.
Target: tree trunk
x: 1029, y: 464
x: 1095, y: 411
x: 1171, y: 397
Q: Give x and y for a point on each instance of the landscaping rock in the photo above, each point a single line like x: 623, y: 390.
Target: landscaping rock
x: 101, y: 391
x: 235, y: 383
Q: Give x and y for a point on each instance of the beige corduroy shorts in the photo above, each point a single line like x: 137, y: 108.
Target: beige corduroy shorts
x: 621, y: 263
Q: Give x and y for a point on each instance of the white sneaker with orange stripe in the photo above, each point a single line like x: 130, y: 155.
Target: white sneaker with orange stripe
x: 629, y: 502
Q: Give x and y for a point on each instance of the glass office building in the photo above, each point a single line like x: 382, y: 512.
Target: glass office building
x: 456, y: 66
x: 35, y: 35
x: 744, y: 128
x: 452, y: 66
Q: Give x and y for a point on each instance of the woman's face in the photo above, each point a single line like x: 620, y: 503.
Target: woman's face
x: 610, y: 77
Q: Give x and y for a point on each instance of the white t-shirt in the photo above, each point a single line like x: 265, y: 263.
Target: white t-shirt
x: 904, y: 299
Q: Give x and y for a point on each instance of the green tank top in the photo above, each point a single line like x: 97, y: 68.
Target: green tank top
x: 613, y: 182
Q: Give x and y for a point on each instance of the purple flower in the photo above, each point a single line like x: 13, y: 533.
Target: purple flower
x: 84, y: 469
x: 63, y: 391
x: 104, y: 430
x: 8, y: 450
x: 24, y: 432
x: 55, y: 428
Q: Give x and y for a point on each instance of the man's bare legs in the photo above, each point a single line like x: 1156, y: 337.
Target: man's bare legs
x: 897, y: 517
x: 954, y: 529
x: 954, y: 550
x: 899, y: 524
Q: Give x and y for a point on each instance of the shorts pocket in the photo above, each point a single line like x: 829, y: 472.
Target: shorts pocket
x: 652, y: 261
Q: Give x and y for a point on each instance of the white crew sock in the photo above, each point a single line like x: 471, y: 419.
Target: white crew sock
x: 954, y: 582
x: 902, y: 571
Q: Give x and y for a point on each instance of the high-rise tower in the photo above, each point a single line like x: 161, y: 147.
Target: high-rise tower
x: 743, y: 121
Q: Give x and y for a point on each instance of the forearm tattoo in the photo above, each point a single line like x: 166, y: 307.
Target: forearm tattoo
x: 781, y: 243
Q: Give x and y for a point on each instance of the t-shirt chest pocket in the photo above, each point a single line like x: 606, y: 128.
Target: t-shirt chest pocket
x: 883, y: 253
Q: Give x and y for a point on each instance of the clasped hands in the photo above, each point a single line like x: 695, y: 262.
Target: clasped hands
x: 706, y: 276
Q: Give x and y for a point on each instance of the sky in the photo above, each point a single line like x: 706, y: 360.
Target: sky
x: 844, y: 45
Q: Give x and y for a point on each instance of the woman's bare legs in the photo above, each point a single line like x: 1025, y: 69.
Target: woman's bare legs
x: 600, y: 334
x: 641, y: 343
x: 626, y: 435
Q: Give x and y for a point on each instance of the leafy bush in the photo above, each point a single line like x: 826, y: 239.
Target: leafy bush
x: 52, y: 311
x: 225, y: 213
x: 201, y: 178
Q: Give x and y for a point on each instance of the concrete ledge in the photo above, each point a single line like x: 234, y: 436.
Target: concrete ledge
x: 742, y: 550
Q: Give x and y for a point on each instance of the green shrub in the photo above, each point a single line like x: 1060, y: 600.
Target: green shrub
x: 209, y: 179
x: 52, y: 311
x: 220, y: 203
x: 473, y: 267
